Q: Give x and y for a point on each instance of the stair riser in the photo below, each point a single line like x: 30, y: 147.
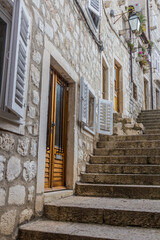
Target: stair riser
x: 103, y: 216
x: 152, y: 127
x: 129, y: 138
x: 153, y: 118
x: 142, y: 144
x: 148, y: 124
x: 29, y: 235
x: 129, y: 218
x: 124, y: 160
x: 146, y: 119
x: 121, y: 179
x: 122, y: 169
x: 145, y: 114
x: 118, y: 191
x: 149, y: 121
x: 74, y: 214
x: 117, y: 152
x: 152, y: 131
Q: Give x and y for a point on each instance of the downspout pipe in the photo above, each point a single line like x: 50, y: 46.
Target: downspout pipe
x: 131, y: 61
x: 150, y: 52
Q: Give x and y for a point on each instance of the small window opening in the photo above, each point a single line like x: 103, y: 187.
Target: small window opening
x: 135, y: 91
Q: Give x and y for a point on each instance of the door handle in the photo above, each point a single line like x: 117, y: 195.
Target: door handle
x: 53, y: 124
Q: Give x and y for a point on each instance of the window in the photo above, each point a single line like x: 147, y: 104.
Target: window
x: 95, y: 11
x: 87, y: 107
x: 91, y: 112
x: 87, y: 111
x: 134, y: 91
x: 14, y: 38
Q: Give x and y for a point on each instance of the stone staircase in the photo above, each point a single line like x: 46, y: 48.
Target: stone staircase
x: 151, y: 121
x: 118, y: 197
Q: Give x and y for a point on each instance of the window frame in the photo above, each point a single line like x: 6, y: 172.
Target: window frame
x: 9, y: 120
x: 135, y: 91
x: 85, y: 91
x: 8, y: 20
x: 86, y: 127
x: 89, y: 11
x: 6, y: 113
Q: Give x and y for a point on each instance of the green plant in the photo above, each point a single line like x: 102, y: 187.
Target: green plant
x: 142, y: 19
x: 143, y: 49
x: 130, y: 45
x: 151, y: 43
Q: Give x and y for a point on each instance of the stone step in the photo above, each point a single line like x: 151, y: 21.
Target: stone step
x: 110, y: 211
x: 149, y: 116
x: 152, y: 131
x: 148, y: 120
x: 129, y: 144
x: 150, y: 111
x: 127, y: 151
x: 122, y: 168
x: 129, y: 138
x: 125, y: 160
x: 118, y: 191
x: 152, y: 126
x: 149, y: 123
x: 128, y: 179
x: 49, y: 230
x: 152, y: 115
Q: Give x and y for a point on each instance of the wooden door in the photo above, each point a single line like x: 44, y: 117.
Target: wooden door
x: 157, y: 99
x: 116, y: 88
x: 56, y: 133
x: 105, y: 83
x: 146, y: 94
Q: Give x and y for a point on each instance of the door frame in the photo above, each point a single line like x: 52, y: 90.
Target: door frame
x: 104, y: 62
x: 52, y: 57
x: 116, y: 63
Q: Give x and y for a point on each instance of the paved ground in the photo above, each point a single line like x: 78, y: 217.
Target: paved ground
x: 92, y: 230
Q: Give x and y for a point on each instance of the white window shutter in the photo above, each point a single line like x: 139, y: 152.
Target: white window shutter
x: 105, y: 117
x: 96, y: 7
x: 155, y: 60
x: 84, y: 101
x: 18, y: 59
x: 94, y: 125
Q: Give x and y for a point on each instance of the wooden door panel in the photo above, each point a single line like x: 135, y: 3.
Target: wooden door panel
x: 57, y: 119
x: 116, y: 88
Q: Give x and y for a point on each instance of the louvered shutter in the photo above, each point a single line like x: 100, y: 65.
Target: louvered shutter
x: 95, y: 7
x: 155, y: 60
x: 105, y: 117
x: 18, y: 59
x: 84, y: 101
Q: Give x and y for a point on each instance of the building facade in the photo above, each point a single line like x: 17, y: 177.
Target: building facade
x: 65, y: 66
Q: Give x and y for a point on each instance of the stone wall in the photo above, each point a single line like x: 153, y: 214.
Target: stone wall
x: 18, y: 168
x: 61, y: 22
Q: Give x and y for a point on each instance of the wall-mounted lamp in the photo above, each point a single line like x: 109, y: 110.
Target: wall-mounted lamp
x: 133, y: 20
x: 134, y: 23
